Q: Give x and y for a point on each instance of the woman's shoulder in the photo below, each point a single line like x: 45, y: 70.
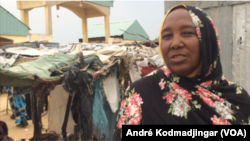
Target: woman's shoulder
x: 148, y: 81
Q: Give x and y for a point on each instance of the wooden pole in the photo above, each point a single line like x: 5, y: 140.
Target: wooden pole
x: 40, y: 103
x: 34, y: 113
x: 65, y: 122
x: 75, y: 132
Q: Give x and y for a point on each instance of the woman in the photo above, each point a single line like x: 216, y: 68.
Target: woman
x: 18, y: 105
x: 191, y: 89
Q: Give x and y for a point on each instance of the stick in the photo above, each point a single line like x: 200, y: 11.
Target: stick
x: 152, y: 43
x: 138, y: 44
x: 34, y: 113
x: 65, y: 122
x: 75, y: 132
x: 136, y: 34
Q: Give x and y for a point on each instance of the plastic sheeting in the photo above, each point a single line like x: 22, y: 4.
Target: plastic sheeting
x: 104, y: 119
x: 18, y: 76
x: 32, y: 52
x: 112, y: 91
x: 100, y: 121
x: 8, y: 62
x: 156, y: 61
x: 57, y: 108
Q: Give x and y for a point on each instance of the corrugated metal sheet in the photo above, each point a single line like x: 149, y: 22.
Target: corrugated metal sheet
x: 222, y: 17
x: 132, y: 26
x: 241, y: 45
x: 232, y: 20
x: 10, y: 25
x: 103, y: 3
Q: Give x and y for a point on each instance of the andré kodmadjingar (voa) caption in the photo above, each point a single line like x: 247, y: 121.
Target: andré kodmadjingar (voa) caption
x: 191, y: 133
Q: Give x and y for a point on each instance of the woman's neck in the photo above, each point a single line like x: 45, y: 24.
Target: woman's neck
x: 196, y: 72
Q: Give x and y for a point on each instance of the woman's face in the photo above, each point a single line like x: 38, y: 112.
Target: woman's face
x: 180, y: 45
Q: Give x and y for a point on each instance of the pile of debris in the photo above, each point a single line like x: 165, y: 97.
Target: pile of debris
x: 93, y: 76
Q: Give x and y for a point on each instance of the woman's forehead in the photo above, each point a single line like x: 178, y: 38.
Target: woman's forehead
x: 178, y: 14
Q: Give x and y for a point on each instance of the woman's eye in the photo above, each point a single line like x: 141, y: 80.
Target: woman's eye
x: 188, y: 33
x: 167, y: 36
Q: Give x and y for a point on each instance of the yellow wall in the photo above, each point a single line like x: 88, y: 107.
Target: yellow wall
x: 16, y: 39
x: 30, y: 4
x: 30, y: 38
x: 129, y: 41
x: 40, y: 37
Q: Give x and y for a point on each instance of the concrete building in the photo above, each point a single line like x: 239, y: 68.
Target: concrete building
x: 232, y: 19
x: 97, y: 33
x: 83, y: 9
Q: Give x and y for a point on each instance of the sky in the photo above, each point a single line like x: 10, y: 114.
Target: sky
x: 68, y: 27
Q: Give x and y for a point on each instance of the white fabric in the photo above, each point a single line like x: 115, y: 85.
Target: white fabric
x: 86, y: 53
x: 156, y: 61
x: 104, y: 58
x: 31, y: 51
x: 4, y: 62
x: 58, y: 102
x: 134, y: 71
x: 112, y: 92
x: 42, y: 47
x: 65, y: 49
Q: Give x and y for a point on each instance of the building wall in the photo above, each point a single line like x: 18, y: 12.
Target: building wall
x: 40, y: 37
x: 4, y: 41
x: 29, y: 38
x: 232, y: 20
x: 16, y: 39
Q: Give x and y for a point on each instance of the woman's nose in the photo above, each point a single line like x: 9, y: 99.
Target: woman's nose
x: 176, y: 43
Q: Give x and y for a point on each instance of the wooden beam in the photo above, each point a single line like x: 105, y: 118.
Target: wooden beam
x: 37, y: 131
x: 66, y: 117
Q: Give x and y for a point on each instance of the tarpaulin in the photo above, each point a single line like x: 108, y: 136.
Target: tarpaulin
x: 22, y: 74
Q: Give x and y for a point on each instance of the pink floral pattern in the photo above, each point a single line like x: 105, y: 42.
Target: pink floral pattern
x: 162, y: 84
x: 219, y: 121
x: 206, y: 84
x: 130, y: 112
x: 221, y: 106
x: 198, y: 32
x: 216, y: 32
x: 197, y: 22
x: 205, y: 93
x: 210, y: 70
x: 178, y: 98
x: 166, y: 70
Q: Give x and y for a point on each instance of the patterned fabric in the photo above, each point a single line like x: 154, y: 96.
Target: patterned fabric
x: 207, y: 99
x: 18, y: 104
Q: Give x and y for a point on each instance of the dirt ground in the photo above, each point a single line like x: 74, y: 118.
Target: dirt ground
x: 17, y: 133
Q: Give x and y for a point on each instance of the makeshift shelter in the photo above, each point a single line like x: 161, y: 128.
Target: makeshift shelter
x: 93, y: 76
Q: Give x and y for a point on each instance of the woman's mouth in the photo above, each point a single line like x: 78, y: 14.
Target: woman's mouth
x: 178, y: 58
